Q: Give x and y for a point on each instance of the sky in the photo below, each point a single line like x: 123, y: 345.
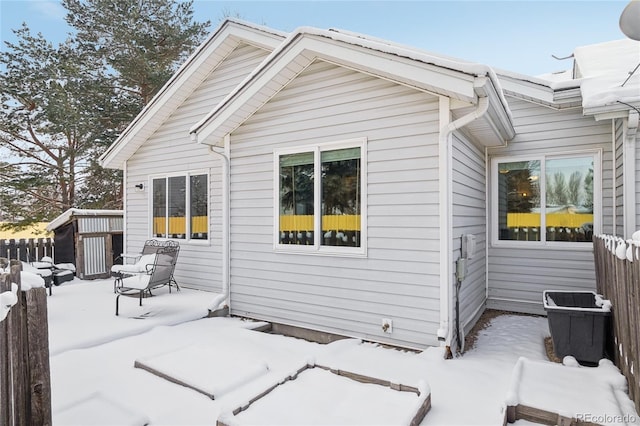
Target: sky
x: 518, y: 36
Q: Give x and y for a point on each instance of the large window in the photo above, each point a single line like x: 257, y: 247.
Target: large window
x: 320, y: 198
x: 545, y: 199
x: 180, y: 207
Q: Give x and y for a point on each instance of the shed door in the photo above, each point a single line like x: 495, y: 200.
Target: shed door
x: 94, y: 253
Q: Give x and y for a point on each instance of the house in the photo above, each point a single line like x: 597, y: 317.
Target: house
x: 329, y: 181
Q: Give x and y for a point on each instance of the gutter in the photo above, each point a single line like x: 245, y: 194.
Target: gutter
x: 221, y: 304
x: 445, y: 332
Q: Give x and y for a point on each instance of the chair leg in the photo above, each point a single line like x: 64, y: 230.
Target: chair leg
x: 141, y: 291
x: 117, y: 280
x: 174, y: 282
x: 117, y: 300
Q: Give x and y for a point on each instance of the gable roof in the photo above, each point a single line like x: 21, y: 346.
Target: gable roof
x: 189, y: 76
x: 436, y: 74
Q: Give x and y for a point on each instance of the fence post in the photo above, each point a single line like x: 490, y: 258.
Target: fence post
x: 6, y: 406
x: 618, y: 278
x: 25, y: 380
x: 38, y: 351
x: 17, y: 342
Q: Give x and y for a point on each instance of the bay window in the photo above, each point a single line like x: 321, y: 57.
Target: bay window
x: 320, y: 198
x: 546, y: 199
x: 180, y: 206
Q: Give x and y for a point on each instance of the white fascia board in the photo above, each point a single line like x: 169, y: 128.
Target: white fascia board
x: 67, y: 215
x: 608, y: 112
x: 410, y: 72
x: 232, y: 111
x: 498, y: 114
x: 223, y: 41
x: 554, y: 95
x: 226, y: 116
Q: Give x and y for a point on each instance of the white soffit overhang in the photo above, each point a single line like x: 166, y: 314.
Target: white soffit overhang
x: 437, y: 75
x: 189, y: 76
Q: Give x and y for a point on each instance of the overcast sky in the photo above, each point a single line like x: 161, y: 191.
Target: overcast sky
x: 513, y: 35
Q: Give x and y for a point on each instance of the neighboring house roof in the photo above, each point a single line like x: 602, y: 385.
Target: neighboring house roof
x: 607, y: 71
x: 463, y: 81
x: 602, y: 80
x: 189, y: 76
x: 67, y: 215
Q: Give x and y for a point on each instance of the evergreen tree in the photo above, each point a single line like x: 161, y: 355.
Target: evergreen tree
x: 62, y: 106
x: 142, y: 41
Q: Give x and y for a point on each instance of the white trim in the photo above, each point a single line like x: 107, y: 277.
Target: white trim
x: 125, y: 194
x: 444, y: 213
x: 629, y: 142
x: 186, y: 175
x: 188, y: 77
x: 543, y: 158
x: 317, y: 248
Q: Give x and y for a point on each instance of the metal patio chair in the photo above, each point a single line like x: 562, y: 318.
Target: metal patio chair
x: 156, y: 274
x: 142, y: 259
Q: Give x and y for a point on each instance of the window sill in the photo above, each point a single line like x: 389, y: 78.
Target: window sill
x: 530, y: 245
x: 185, y: 242
x: 313, y: 251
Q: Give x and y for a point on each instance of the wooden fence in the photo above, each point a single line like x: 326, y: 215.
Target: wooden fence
x: 25, y: 384
x: 26, y: 250
x: 617, y: 265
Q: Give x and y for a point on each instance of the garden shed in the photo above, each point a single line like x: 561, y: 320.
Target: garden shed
x: 90, y: 239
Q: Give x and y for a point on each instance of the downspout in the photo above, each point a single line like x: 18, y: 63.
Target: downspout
x: 629, y: 173
x: 445, y: 332
x: 222, y: 301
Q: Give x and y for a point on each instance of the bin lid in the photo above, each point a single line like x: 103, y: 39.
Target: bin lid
x: 552, y: 301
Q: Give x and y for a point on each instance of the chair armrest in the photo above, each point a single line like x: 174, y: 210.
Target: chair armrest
x: 130, y: 256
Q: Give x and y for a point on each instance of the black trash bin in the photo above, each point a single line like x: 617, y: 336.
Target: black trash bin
x: 579, y: 323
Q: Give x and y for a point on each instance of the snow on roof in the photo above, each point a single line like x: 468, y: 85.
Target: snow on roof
x: 66, y: 216
x: 604, y: 68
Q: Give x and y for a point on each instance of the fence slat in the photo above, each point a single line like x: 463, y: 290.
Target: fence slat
x: 27, y: 250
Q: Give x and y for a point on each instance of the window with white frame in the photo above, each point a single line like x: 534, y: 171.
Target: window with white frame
x: 180, y: 206
x: 320, y: 197
x: 546, y: 199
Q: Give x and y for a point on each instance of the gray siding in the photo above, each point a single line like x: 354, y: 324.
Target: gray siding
x: 170, y: 150
x: 399, y: 278
x: 619, y: 178
x: 637, y: 180
x: 469, y: 217
x: 517, y: 277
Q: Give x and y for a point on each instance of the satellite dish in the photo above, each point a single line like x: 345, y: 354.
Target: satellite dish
x: 630, y: 20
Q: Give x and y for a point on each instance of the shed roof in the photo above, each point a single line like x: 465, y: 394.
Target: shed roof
x: 69, y: 214
x: 189, y: 76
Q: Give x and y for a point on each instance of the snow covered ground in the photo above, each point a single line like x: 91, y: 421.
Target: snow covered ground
x: 94, y: 381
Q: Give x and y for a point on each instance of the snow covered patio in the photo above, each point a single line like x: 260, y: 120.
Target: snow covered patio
x: 94, y: 380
